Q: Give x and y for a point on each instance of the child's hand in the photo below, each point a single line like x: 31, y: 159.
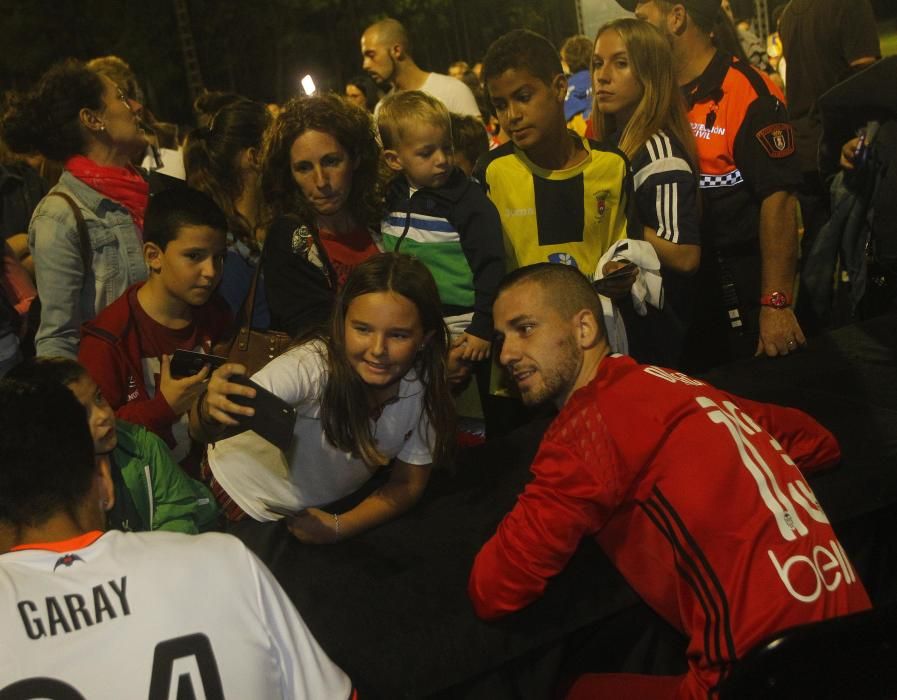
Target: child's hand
x: 457, y: 368
x: 218, y: 405
x: 473, y: 349
x: 180, y: 393
x: 619, y: 276
x: 848, y: 152
x: 313, y: 526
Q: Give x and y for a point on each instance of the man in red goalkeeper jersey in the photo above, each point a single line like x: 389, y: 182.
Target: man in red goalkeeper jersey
x: 696, y: 496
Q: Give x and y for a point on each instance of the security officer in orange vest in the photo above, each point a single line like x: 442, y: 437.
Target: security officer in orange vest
x: 748, y: 174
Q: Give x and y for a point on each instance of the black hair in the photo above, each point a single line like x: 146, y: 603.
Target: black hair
x: 725, y: 36
x: 569, y: 289
x: 210, y: 157
x: 469, y: 137
x: 46, y: 452
x: 48, y: 370
x: 170, y: 210
x: 367, y: 86
x: 208, y: 103
x: 522, y: 49
x: 46, y: 120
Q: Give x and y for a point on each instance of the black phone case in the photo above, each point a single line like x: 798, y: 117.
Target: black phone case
x: 274, y: 418
x: 186, y: 363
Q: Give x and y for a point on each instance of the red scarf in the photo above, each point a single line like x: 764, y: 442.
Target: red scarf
x: 123, y: 185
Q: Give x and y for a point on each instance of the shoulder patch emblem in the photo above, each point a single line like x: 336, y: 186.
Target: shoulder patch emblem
x: 66, y: 560
x: 777, y: 140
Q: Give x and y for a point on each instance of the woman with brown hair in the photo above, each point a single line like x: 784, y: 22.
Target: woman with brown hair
x: 321, y: 182
x: 371, y: 393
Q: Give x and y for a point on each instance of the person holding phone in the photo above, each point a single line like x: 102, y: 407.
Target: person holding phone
x: 127, y: 348
x: 371, y: 393
x: 638, y: 105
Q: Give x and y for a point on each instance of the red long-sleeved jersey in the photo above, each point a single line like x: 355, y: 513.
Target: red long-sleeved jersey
x: 696, y: 496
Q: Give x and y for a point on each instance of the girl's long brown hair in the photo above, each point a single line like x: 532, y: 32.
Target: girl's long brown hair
x: 346, y: 400
x: 662, y: 105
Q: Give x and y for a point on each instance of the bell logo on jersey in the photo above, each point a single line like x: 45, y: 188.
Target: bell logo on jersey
x: 827, y: 567
x: 824, y: 568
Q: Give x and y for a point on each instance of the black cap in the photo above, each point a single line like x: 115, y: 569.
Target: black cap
x: 702, y: 8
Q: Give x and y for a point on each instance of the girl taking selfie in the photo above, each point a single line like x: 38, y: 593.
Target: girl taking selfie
x: 370, y: 393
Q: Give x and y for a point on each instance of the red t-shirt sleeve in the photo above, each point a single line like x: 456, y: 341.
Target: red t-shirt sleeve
x: 154, y: 414
x: 103, y: 364
x: 577, y: 485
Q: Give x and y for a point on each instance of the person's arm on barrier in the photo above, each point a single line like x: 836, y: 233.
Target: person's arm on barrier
x: 404, y: 488
x: 565, y: 502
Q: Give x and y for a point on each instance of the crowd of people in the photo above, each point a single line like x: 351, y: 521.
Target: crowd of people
x: 520, y: 225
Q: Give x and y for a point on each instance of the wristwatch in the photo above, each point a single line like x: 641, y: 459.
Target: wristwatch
x: 777, y: 300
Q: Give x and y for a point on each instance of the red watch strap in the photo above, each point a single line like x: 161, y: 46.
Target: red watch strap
x: 777, y: 300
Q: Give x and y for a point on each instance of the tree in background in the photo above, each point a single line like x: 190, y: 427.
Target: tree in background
x: 260, y: 49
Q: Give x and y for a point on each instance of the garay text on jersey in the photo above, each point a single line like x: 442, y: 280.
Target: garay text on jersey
x: 72, y: 611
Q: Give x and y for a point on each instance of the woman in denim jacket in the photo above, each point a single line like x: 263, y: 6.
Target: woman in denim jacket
x: 81, y: 119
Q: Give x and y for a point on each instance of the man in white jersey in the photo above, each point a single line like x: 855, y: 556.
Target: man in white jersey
x: 85, y: 614
x: 386, y: 57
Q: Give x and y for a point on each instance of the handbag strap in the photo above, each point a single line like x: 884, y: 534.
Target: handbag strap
x: 244, y: 318
x: 330, y: 272
x: 83, y: 238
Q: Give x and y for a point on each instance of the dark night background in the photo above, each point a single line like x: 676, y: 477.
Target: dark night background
x: 261, y: 48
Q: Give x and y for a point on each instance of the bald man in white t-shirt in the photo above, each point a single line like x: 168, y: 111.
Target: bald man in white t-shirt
x: 387, y: 58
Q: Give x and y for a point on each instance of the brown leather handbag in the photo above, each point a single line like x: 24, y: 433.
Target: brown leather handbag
x: 251, y: 348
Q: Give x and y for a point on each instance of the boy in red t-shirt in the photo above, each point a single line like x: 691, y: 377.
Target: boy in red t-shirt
x: 127, y: 348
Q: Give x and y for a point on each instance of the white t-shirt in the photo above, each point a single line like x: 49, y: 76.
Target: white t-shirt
x: 313, y: 472
x: 112, y: 616
x: 450, y: 91
x: 454, y: 94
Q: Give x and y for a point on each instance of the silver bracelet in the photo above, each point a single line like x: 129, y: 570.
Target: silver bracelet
x: 336, y: 525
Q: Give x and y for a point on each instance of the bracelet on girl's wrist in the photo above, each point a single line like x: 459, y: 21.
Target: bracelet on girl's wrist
x: 336, y: 525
